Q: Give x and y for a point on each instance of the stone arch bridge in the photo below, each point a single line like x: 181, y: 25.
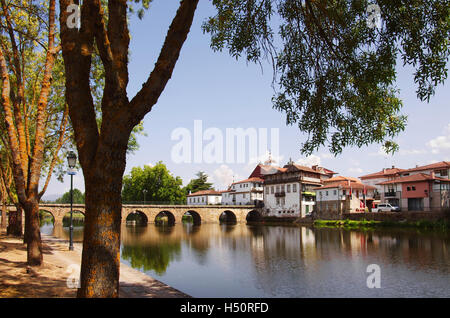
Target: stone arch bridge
x: 174, y: 213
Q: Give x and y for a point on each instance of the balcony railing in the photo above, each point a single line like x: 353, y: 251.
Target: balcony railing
x: 280, y: 194
x: 390, y: 194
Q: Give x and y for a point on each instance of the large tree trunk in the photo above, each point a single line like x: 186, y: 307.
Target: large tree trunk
x: 15, y: 222
x: 101, y: 244
x: 33, y: 234
x: 4, y: 209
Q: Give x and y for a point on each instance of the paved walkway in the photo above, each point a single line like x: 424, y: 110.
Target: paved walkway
x: 59, y: 264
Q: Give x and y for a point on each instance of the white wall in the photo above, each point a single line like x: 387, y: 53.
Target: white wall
x: 289, y: 205
x: 204, y: 199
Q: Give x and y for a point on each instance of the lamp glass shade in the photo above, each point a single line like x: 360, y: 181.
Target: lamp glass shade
x: 72, y: 159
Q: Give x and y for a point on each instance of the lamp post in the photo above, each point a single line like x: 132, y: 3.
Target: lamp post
x: 145, y: 192
x: 72, y: 160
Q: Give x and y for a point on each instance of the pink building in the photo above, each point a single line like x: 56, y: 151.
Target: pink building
x: 420, y: 191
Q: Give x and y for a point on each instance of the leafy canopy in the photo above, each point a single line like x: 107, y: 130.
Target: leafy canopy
x: 157, y: 181
x: 198, y: 184
x: 78, y: 197
x: 335, y: 72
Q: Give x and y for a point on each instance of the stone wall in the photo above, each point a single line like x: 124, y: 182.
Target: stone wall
x: 411, y: 216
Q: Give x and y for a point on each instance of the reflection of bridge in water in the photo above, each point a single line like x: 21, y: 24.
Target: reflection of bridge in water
x: 174, y: 213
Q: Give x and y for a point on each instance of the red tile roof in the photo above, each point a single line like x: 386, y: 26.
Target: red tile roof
x: 341, y: 178
x: 253, y: 179
x: 383, y: 173
x: 437, y: 165
x: 346, y: 185
x: 420, y: 177
x: 261, y: 170
x: 205, y: 192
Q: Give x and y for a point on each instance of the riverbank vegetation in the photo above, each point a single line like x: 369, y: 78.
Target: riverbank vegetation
x: 368, y: 224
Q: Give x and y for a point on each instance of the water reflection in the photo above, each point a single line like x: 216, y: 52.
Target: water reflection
x: 63, y: 232
x: 213, y: 260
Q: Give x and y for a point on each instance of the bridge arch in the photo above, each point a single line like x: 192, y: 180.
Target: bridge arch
x: 228, y: 217
x: 48, y: 212
x: 136, y: 218
x: 159, y: 219
x: 196, y: 218
x: 253, y: 216
x: 65, y: 217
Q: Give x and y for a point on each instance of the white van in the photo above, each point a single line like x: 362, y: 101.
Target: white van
x: 386, y: 207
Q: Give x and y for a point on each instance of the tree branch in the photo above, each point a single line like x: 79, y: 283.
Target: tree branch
x: 77, y: 50
x: 62, y: 132
x: 144, y: 100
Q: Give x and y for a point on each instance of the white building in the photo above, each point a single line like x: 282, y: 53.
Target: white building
x: 387, y: 174
x: 244, y: 192
x: 205, y: 197
x: 343, y: 195
x: 289, y: 192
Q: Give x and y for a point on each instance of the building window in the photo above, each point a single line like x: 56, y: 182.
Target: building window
x: 267, y: 190
x: 413, y: 188
x: 271, y: 189
x: 326, y: 193
x: 408, y: 188
x: 288, y: 188
x: 334, y: 192
x: 294, y: 187
x: 278, y: 201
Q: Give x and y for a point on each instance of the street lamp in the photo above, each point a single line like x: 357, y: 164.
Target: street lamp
x: 71, y: 160
x: 145, y: 192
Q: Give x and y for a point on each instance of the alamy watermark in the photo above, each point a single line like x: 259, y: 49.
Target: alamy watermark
x: 213, y: 145
x: 374, y: 16
x: 374, y: 279
x: 73, y: 280
x: 74, y: 18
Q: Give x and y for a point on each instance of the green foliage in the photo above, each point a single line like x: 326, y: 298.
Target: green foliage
x: 77, y: 219
x: 335, y: 74
x: 354, y: 224
x: 154, y: 257
x: 198, y: 184
x: 159, y: 183
x: 144, y: 5
x: 78, y: 197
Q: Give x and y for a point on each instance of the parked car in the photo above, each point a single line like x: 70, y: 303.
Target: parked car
x: 386, y: 207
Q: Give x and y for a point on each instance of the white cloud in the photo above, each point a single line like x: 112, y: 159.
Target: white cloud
x: 355, y: 170
x: 277, y: 160
x: 410, y: 152
x: 309, y: 161
x: 224, y: 176
x: 440, y: 143
x: 401, y: 152
x: 149, y: 164
x: 380, y: 152
x: 326, y: 155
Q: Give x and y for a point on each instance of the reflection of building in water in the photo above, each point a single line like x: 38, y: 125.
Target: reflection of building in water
x: 308, y: 246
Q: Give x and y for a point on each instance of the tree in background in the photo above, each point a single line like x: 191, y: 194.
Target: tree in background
x: 336, y: 79
x: 78, y: 197
x: 198, y: 184
x: 159, y: 183
x: 34, y: 116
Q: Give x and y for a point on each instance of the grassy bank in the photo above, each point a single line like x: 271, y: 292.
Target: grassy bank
x: 367, y: 224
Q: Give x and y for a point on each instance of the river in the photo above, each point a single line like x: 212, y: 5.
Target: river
x: 213, y: 260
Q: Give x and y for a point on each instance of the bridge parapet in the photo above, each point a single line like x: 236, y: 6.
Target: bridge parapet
x: 206, y: 213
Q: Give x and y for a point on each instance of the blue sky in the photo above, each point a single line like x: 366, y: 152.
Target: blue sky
x: 225, y: 93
